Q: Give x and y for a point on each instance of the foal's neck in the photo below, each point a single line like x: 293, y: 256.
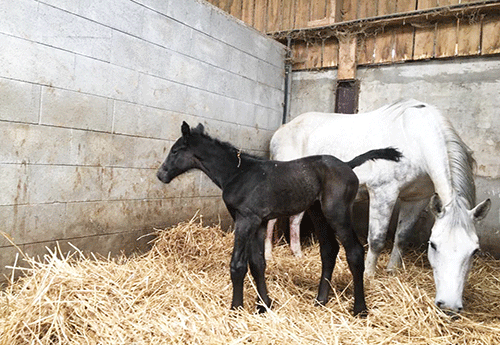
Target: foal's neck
x: 219, y: 162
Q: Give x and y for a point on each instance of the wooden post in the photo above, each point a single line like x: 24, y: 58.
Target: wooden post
x: 346, y: 98
x: 347, y: 57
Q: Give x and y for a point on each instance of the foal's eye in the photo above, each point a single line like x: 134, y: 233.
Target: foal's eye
x: 433, y: 245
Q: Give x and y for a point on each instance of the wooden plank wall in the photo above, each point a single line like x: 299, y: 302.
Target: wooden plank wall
x: 469, y: 36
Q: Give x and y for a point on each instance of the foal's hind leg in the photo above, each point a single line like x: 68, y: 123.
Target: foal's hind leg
x: 339, y: 217
x: 329, y: 249
x: 258, y: 266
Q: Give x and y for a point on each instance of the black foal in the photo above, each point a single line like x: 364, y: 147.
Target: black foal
x: 256, y: 190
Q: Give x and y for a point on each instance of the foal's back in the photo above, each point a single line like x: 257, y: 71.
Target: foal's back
x: 272, y: 189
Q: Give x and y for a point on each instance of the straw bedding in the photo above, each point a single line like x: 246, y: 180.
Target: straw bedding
x: 179, y: 293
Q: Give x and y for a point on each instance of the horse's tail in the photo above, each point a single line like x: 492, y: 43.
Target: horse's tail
x: 388, y: 153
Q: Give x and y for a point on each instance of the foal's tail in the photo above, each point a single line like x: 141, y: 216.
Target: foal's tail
x: 388, y: 153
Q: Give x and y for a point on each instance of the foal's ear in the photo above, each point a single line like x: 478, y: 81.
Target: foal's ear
x: 186, y: 131
x: 200, y: 128
x: 436, y: 206
x: 481, y: 210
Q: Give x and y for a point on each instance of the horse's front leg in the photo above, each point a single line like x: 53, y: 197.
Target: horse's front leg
x: 243, y: 230
x: 382, y: 201
x: 408, y: 216
x: 258, y: 266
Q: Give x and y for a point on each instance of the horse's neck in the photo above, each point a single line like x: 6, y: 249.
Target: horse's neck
x: 219, y: 163
x: 458, y: 181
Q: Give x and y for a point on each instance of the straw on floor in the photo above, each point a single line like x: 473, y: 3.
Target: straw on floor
x: 179, y: 293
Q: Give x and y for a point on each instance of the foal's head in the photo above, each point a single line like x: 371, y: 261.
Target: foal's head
x: 452, y: 245
x: 180, y: 158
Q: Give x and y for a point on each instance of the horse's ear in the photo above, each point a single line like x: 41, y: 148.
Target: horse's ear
x: 200, y: 128
x: 481, y: 210
x: 186, y: 131
x: 436, y: 206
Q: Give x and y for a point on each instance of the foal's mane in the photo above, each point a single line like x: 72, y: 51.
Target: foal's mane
x: 228, y: 147
x: 460, y: 159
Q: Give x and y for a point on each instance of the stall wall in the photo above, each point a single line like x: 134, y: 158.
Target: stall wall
x: 92, y: 96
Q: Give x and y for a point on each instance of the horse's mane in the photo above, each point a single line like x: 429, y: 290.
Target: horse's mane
x: 461, y: 162
x: 460, y: 159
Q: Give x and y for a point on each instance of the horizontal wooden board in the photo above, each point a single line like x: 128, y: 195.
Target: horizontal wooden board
x: 491, y: 35
x: 469, y: 38
x: 446, y: 39
x: 384, y: 45
x: 403, y: 43
x: 330, y: 52
x: 424, y: 42
x: 314, y: 55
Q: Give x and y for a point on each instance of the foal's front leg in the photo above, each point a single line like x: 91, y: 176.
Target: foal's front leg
x: 244, y: 230
x: 258, y: 266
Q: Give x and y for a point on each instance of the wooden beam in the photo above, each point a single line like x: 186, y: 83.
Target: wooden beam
x: 417, y: 18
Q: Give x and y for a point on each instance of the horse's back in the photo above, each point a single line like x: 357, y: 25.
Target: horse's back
x: 410, y: 126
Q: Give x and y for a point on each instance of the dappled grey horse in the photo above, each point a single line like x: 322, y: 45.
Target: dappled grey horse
x: 435, y: 160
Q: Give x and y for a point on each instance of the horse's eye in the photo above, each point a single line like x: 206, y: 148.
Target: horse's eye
x: 433, y: 245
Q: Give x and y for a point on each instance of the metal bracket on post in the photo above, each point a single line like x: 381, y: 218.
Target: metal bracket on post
x: 346, y: 98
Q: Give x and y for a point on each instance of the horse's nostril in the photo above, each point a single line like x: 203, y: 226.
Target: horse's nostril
x: 459, y: 309
x: 440, y: 304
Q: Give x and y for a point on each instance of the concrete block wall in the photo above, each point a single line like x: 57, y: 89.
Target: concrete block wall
x: 467, y: 90
x: 92, y: 96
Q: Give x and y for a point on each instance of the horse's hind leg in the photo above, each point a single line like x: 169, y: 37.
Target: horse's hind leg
x: 339, y: 217
x: 329, y: 249
x: 258, y: 266
x: 269, y: 239
x: 295, y: 234
x: 408, y: 216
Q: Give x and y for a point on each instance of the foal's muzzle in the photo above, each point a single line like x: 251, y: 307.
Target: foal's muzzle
x: 163, y: 176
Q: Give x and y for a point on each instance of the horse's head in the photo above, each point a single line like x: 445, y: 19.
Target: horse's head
x: 452, y: 245
x: 181, y: 157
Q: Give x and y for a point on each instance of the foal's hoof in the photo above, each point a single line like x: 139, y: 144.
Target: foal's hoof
x: 363, y: 313
x: 263, y: 307
x: 320, y: 302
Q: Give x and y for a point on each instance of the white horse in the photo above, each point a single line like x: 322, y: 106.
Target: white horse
x: 435, y: 160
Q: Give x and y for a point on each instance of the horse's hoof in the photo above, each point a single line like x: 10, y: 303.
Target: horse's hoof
x: 392, y: 271
x: 369, y: 274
